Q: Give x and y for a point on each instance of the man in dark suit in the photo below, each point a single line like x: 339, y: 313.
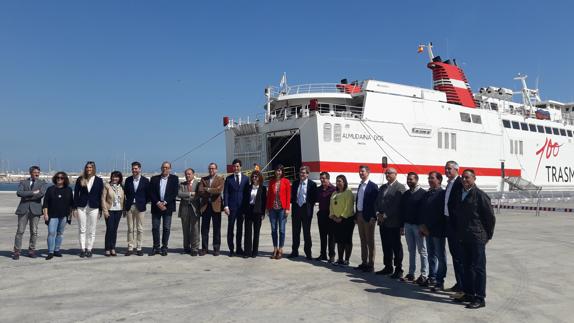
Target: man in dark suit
x: 390, y: 224
x: 453, y: 188
x: 303, y: 197
x: 366, y: 219
x: 233, y: 205
x: 210, y: 189
x: 136, y: 189
x: 474, y: 227
x: 163, y: 191
x: 30, y: 191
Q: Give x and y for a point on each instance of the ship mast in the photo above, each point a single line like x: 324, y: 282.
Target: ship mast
x: 528, y: 95
x: 429, y: 50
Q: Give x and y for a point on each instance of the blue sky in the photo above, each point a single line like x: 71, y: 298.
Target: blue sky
x: 92, y: 80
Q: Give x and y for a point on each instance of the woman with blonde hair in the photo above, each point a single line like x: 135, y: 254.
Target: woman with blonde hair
x: 87, y: 201
x: 112, y: 207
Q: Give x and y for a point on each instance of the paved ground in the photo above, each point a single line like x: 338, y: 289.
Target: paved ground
x: 530, y: 279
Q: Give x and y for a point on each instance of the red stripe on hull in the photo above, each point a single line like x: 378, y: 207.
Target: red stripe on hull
x: 344, y: 167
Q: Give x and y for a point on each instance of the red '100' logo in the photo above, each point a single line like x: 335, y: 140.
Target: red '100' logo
x: 549, y: 149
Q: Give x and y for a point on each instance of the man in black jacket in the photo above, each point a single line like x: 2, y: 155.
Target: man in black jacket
x: 433, y: 228
x: 453, y: 188
x: 474, y: 226
x: 411, y: 202
x: 163, y: 191
x: 303, y: 198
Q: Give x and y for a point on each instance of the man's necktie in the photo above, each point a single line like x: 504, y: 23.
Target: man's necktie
x: 300, y: 197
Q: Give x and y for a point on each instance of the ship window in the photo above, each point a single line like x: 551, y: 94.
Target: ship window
x: 540, y: 128
x: 532, y: 127
x: 340, y: 108
x: 506, y: 123
x: 562, y: 132
x: 520, y: 147
x: 453, y: 141
x: 524, y: 126
x: 439, y: 137
x: 555, y: 130
x: 327, y: 132
x: 464, y: 117
x: 511, y: 146
x: 493, y: 106
x: 476, y: 118
x: 515, y: 125
x: 337, y: 132
x: 324, y: 108
x: 548, y: 130
x: 569, y: 133
x: 516, y: 147
x: 446, y: 140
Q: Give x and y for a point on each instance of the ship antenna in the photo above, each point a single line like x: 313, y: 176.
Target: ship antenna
x: 429, y: 50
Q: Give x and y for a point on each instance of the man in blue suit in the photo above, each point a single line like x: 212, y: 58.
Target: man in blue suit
x: 366, y: 219
x: 163, y: 191
x: 303, y: 198
x: 234, y: 186
x: 136, y: 189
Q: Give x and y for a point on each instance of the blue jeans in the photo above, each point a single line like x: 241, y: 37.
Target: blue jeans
x: 278, y: 220
x: 437, y: 258
x: 416, y: 243
x: 55, y: 233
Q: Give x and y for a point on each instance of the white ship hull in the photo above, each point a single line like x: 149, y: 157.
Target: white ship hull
x: 414, y: 128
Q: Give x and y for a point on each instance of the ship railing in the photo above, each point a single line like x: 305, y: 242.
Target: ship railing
x: 323, y: 108
x: 288, y: 172
x: 316, y: 88
x: 340, y: 110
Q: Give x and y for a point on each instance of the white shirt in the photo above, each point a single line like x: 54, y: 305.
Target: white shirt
x: 136, y: 184
x: 253, y: 194
x: 235, y: 177
x: 116, y: 204
x: 361, y: 195
x: 447, y: 195
x: 91, y: 183
x: 162, y: 186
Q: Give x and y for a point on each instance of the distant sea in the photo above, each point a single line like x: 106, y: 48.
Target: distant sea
x: 8, y: 187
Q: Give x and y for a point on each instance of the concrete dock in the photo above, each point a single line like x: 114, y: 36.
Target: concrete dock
x: 529, y: 266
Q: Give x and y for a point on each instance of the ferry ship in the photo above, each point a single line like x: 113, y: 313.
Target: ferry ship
x: 511, y: 144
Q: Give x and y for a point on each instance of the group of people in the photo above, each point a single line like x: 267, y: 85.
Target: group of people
x: 460, y: 214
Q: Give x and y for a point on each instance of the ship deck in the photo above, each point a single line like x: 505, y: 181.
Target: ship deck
x: 529, y: 267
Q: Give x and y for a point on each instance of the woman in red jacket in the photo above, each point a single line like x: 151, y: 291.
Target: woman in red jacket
x: 279, y: 207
